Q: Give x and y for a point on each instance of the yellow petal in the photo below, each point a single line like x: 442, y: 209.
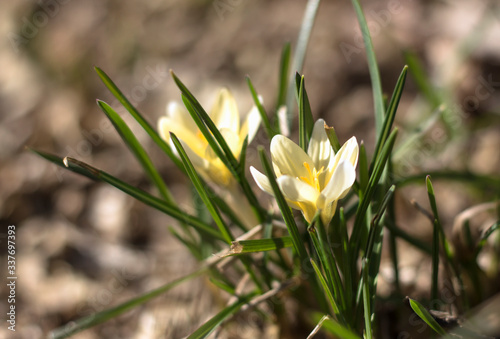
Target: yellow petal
x: 225, y: 112
x: 233, y: 141
x: 289, y: 158
x: 167, y: 125
x: 328, y: 212
x: 320, y: 149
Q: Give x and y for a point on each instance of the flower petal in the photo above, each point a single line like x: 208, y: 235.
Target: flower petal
x: 320, y: 149
x: 251, y: 125
x: 198, y: 162
x: 261, y: 180
x: 179, y: 114
x: 289, y: 158
x: 297, y: 190
x: 349, y: 151
x: 225, y: 111
x: 328, y: 212
x: 167, y: 125
x: 233, y: 141
x: 343, y: 177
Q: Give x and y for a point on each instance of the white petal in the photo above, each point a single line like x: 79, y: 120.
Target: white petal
x: 349, y: 151
x: 320, y: 149
x: 289, y: 157
x: 251, y: 125
x: 261, y: 180
x: 225, y: 111
x: 296, y: 190
x: 179, y: 114
x: 343, y: 177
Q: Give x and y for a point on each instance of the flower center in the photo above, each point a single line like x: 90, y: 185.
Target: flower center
x: 313, y: 178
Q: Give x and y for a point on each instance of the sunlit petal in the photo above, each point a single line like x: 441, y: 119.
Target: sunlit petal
x: 320, y: 149
x: 297, y: 190
x: 261, y: 180
x: 225, y: 111
x: 343, y: 177
x: 167, y: 125
x: 251, y: 125
x: 289, y: 157
x: 233, y: 141
x: 349, y: 151
x: 179, y: 114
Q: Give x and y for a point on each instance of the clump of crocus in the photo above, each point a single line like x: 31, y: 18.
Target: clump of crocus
x: 315, y: 180
x: 226, y: 117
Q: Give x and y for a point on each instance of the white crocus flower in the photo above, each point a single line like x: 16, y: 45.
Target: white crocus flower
x: 315, y: 180
x: 225, y: 116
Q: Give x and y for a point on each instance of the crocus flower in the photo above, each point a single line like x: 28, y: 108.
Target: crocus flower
x: 225, y: 116
x: 315, y: 180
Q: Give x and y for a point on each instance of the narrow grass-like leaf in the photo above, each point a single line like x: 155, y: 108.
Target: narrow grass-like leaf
x: 332, y: 137
x: 359, y: 228
x: 285, y: 210
x: 100, y: 317
x: 398, y: 232
x: 300, y: 53
x: 422, y: 312
x: 137, y: 116
x: 390, y: 114
x: 197, y: 183
x: 218, y: 144
x: 421, y: 80
x: 306, y: 122
x: 364, y: 175
x: 283, y: 76
x: 136, y: 148
x: 325, y: 286
x: 99, y: 175
x: 204, y: 330
x: 262, y: 111
x: 367, y: 299
x: 435, y: 261
x: 484, y: 182
x: 378, y: 98
x: 259, y: 245
x: 334, y: 327
x: 484, y: 237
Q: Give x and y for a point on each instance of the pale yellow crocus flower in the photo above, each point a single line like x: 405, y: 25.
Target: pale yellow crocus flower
x: 226, y: 117
x: 315, y: 180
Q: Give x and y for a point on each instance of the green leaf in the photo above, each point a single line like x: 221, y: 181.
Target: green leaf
x: 421, y: 79
x: 378, y: 97
x: 334, y: 327
x: 325, y: 286
x: 390, y: 114
x: 300, y: 52
x: 285, y: 210
x: 262, y: 111
x: 100, y: 317
x: 283, y: 76
x: 197, y: 183
x: 332, y: 137
x: 363, y: 168
x: 483, y: 182
x: 259, y: 245
x: 137, y: 116
x: 98, y: 175
x: 484, y: 237
x: 359, y: 229
x: 207, y: 328
x: 435, y: 261
x: 136, y: 148
x: 306, y: 121
x: 426, y: 316
x: 367, y: 297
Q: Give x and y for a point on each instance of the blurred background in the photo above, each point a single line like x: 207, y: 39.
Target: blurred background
x: 82, y: 246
